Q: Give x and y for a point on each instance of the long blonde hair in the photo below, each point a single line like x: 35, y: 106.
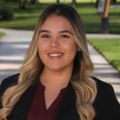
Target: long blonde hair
x: 84, y: 86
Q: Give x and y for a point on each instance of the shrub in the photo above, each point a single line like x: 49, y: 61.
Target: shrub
x: 6, y: 14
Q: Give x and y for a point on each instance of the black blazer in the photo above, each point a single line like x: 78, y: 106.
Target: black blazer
x: 105, y: 104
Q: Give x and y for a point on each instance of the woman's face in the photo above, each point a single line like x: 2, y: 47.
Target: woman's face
x: 56, y: 44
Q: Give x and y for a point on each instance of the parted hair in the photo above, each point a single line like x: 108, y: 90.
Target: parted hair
x: 84, y: 86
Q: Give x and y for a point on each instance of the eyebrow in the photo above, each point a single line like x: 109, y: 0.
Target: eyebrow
x: 44, y: 31
x: 62, y: 31
x: 66, y: 31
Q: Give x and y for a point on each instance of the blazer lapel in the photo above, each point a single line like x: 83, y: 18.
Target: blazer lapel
x: 20, y: 110
x: 68, y: 110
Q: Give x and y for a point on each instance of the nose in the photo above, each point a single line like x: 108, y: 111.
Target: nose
x: 55, y: 42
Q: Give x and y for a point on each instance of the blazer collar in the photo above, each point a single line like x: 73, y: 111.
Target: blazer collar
x: 20, y: 110
x: 67, y: 110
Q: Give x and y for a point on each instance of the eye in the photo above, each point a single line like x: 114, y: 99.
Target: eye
x: 44, y: 36
x: 65, y: 36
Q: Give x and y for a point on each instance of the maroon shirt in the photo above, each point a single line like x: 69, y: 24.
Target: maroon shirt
x: 38, y: 111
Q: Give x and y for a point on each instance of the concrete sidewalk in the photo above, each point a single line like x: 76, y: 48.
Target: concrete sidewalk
x: 13, y: 47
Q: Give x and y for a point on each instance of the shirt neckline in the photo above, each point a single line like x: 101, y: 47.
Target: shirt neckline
x: 43, y: 87
x: 61, y: 93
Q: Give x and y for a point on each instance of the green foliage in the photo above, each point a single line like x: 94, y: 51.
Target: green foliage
x: 1, y: 34
x: 87, y: 12
x: 110, y: 49
x: 6, y: 14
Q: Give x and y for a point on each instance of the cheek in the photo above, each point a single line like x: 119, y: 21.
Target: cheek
x: 71, y: 47
x: 41, y: 46
x: 41, y: 49
x: 71, y: 50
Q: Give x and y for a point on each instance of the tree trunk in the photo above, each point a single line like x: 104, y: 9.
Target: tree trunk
x: 58, y: 1
x: 96, y: 4
x: 22, y: 4
x: 74, y: 3
x: 33, y: 2
x: 114, y: 1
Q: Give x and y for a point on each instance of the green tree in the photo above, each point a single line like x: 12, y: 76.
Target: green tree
x: 58, y: 1
x: 74, y: 3
x: 22, y: 4
x: 33, y: 2
x: 114, y: 1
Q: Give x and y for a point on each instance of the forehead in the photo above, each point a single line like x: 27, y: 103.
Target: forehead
x: 56, y: 22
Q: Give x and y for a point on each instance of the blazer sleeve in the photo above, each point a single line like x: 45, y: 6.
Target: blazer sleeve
x: 1, y: 92
x: 112, y: 106
x: 106, y: 104
x: 7, y: 82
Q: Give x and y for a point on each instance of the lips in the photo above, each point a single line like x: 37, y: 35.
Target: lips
x: 55, y: 54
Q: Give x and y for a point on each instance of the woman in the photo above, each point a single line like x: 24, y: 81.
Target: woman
x: 55, y: 81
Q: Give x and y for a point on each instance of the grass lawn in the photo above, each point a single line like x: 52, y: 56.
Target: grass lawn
x: 27, y: 19
x: 1, y: 34
x: 23, y: 19
x: 110, y: 49
x: 68, y: 1
x: 78, y: 1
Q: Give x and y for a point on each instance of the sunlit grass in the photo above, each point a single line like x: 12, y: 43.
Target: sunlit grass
x: 1, y: 34
x: 110, y: 49
x: 27, y: 19
x: 67, y: 1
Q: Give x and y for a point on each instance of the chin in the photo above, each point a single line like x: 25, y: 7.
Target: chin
x: 56, y: 69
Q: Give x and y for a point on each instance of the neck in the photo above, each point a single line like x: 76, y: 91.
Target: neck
x: 58, y: 79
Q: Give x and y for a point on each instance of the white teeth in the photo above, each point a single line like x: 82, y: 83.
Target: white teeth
x: 55, y: 54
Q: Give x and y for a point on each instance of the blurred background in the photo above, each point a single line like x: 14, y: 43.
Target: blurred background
x: 23, y: 14
x: 101, y: 19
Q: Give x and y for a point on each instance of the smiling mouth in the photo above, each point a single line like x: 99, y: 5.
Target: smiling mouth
x: 55, y: 55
